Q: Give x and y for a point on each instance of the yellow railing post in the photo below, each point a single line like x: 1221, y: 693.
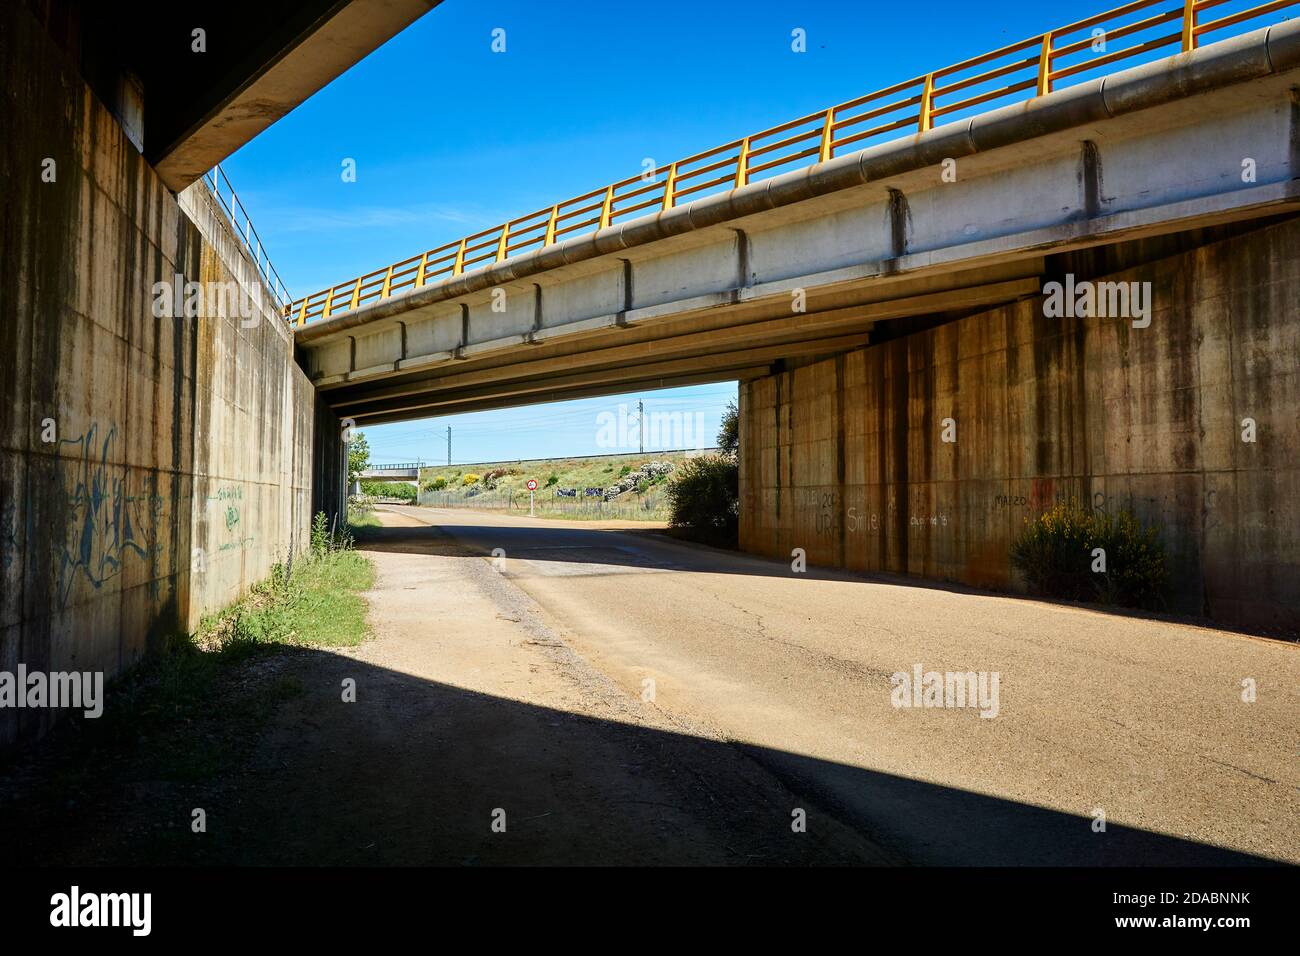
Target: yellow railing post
x: 356, y: 294
x: 825, y: 152
x: 742, y: 163
x: 458, y: 266
x: 1189, y: 25
x: 419, y: 271
x: 927, y: 103
x: 503, y: 241
x: 302, y: 313
x: 1045, y: 66
x: 388, y: 283
x: 329, y: 304
x: 550, y: 226
x: 670, y: 186
x: 607, y: 208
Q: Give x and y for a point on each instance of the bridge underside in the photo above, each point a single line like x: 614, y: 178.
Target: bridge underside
x: 629, y: 351
x: 190, y: 89
x: 850, y: 253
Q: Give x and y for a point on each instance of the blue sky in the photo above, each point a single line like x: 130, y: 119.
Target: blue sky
x: 449, y: 137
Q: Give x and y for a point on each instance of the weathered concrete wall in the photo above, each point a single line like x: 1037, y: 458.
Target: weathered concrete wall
x: 254, y: 424
x: 151, y: 468
x: 844, y: 458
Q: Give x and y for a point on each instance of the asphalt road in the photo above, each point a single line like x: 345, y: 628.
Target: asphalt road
x: 1113, y: 739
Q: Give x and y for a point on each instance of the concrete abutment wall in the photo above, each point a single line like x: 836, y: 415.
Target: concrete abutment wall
x: 152, y: 468
x: 845, y: 458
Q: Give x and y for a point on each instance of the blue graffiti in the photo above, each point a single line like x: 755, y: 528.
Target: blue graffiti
x: 108, y: 521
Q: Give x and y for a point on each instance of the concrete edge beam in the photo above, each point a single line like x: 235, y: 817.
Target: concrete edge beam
x: 1221, y: 64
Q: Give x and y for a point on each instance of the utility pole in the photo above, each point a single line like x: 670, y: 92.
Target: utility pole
x: 640, y: 420
x: 449, y: 444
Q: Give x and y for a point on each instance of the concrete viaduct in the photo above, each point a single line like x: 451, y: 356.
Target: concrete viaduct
x: 886, y: 279
x: 824, y: 260
x: 866, y: 299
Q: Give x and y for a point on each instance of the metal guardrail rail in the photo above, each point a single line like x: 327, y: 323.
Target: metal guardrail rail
x: 248, y: 237
x: 1015, y: 73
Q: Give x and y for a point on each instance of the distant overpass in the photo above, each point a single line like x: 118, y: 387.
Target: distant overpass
x: 408, y: 472
x: 743, y: 259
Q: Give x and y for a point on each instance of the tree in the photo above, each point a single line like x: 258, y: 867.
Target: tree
x: 358, y: 457
x: 729, y: 433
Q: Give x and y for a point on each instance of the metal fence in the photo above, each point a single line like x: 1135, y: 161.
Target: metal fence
x: 217, y: 182
x: 630, y: 506
x: 1128, y: 35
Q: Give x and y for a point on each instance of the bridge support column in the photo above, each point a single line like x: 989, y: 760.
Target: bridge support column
x: 924, y: 455
x: 329, y: 478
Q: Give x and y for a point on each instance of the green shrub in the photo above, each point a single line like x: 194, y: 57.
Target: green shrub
x: 320, y: 537
x: 388, y: 489
x: 704, y: 498
x: 325, y: 539
x: 554, y: 479
x: 1054, y: 552
x: 437, y: 484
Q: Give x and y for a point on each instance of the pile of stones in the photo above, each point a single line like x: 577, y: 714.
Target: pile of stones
x: 635, y: 479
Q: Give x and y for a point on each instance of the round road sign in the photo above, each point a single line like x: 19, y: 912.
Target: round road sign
x: 532, y: 484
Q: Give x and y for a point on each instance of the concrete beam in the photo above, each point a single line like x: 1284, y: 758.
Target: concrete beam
x: 788, y: 330
x: 292, y: 56
x: 649, y: 384
x: 506, y: 391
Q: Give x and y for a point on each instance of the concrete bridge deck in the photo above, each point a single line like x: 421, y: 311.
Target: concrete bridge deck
x: 848, y: 252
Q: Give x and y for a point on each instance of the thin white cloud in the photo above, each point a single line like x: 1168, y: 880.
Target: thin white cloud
x: 315, y: 219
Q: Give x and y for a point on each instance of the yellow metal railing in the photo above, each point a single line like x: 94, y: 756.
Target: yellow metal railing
x: 1014, y: 73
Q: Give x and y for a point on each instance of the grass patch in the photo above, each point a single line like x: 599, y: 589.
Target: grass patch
x: 187, y: 716
x: 189, y: 709
x: 360, y: 520
x: 319, y: 605
x: 185, y: 684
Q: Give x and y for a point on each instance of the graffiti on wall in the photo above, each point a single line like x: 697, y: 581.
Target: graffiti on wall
x: 229, y: 500
x: 112, y: 516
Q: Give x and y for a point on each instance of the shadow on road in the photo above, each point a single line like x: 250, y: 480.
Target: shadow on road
x: 643, y: 549
x: 413, y: 771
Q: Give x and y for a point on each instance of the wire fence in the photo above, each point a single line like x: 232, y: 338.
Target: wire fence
x: 650, y: 505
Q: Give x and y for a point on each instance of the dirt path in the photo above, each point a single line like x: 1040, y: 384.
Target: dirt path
x: 513, y: 691
x: 1139, y: 719
x: 467, y: 703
